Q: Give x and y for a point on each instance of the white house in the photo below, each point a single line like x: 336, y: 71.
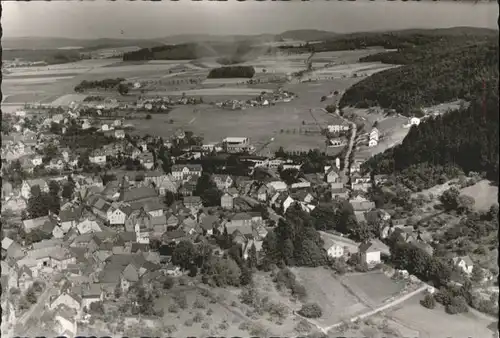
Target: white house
x: 28, y: 184
x: 97, y: 158
x: 464, y: 263
x: 414, y: 121
x: 182, y: 172
x: 372, y: 143
x: 37, y: 160
x: 117, y: 215
x: 335, y: 128
x: 70, y: 300
x: 370, y: 251
x: 287, y: 203
x: 374, y: 134
x: 333, y: 249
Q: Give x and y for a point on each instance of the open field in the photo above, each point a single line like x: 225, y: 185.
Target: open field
x: 377, y: 287
x: 484, y: 193
x: 437, y: 323
x: 323, y: 288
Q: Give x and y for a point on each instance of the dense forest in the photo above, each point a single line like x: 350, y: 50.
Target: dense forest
x: 102, y: 84
x: 232, y: 72
x: 446, y: 75
x: 192, y: 51
x: 467, y: 138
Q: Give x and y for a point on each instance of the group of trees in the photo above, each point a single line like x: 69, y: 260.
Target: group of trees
x: 40, y: 203
x: 208, y: 191
x: 313, y: 161
x: 467, y: 138
x: 442, y: 75
x: 106, y: 84
x: 294, y: 241
x: 232, y: 72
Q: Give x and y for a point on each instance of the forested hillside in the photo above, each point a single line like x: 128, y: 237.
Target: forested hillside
x: 437, y: 75
x: 467, y: 138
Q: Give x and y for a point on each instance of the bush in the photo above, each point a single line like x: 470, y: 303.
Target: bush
x: 205, y: 326
x: 209, y: 312
x: 457, y: 305
x: 148, y: 117
x: 428, y: 302
x: 188, y: 322
x: 232, y: 72
x: 311, y: 311
x: 181, y: 300
x: 170, y: 329
x: 168, y: 283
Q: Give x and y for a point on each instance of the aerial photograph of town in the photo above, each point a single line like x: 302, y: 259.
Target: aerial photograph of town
x: 250, y: 169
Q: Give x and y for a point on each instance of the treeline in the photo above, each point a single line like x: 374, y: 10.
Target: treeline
x: 102, y: 84
x: 437, y: 77
x: 47, y: 55
x: 467, y: 137
x: 189, y: 51
x: 232, y: 72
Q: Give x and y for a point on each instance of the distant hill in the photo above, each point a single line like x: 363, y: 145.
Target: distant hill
x: 307, y: 35
x: 49, y: 43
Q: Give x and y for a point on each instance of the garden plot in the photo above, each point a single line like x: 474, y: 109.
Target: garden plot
x: 484, y: 193
x: 375, y: 287
x: 437, y: 323
x: 335, y: 300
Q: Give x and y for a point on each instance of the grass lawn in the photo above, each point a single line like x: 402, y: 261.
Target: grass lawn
x: 484, y: 193
x: 324, y: 289
x: 376, y: 286
x: 437, y: 323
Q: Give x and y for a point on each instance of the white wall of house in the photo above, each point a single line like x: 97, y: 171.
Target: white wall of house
x: 116, y: 217
x: 372, y: 257
x: 335, y: 251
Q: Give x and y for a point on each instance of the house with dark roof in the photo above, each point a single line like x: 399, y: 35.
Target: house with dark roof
x: 69, y: 217
x: 36, y: 223
x: 193, y: 202
x: 371, y: 251
x: 183, y: 172
x: 100, y: 207
x: 118, y: 213
x: 69, y: 299
x: 173, y: 236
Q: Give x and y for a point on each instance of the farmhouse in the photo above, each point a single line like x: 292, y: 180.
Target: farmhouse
x: 333, y: 249
x: 370, y: 251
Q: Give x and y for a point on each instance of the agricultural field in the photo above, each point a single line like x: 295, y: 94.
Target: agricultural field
x: 335, y: 300
x: 484, y: 193
x: 437, y: 323
x: 375, y: 287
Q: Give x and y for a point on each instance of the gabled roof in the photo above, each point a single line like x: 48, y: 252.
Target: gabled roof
x: 191, y: 167
x: 35, y: 222
x: 466, y: 259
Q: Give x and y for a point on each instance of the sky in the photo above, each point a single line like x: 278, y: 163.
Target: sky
x: 144, y: 19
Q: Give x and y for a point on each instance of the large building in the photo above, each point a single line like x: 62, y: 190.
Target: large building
x: 236, y: 144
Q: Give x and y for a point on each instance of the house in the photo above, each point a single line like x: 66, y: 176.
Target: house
x: 100, y: 208
x: 118, y: 213
x: 162, y: 182
x: 119, y: 133
x: 35, y: 223
x: 380, y: 179
x: 262, y: 193
x: 333, y: 249
x: 87, y: 226
x: 10, y: 274
x: 464, y: 263
x: 36, y: 160
x: 374, y: 134
x: 223, y: 182
x: 426, y: 247
x: 153, y: 207
x: 361, y: 186
x: 301, y: 184
x: 15, y: 203
x: 336, y: 128
x: 28, y: 184
x: 277, y: 186
x: 208, y: 224
x: 370, y: 254
x: 414, y: 121
x: 147, y: 160
x: 340, y: 193
x: 372, y: 142
x: 68, y: 218
x: 360, y: 203
x: 182, y: 172
x: 91, y: 294
x: 97, y: 157
x: 193, y: 202
x: 226, y: 201
x: 303, y: 196
x: 66, y: 324
x: 69, y: 299
x: 25, y: 277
